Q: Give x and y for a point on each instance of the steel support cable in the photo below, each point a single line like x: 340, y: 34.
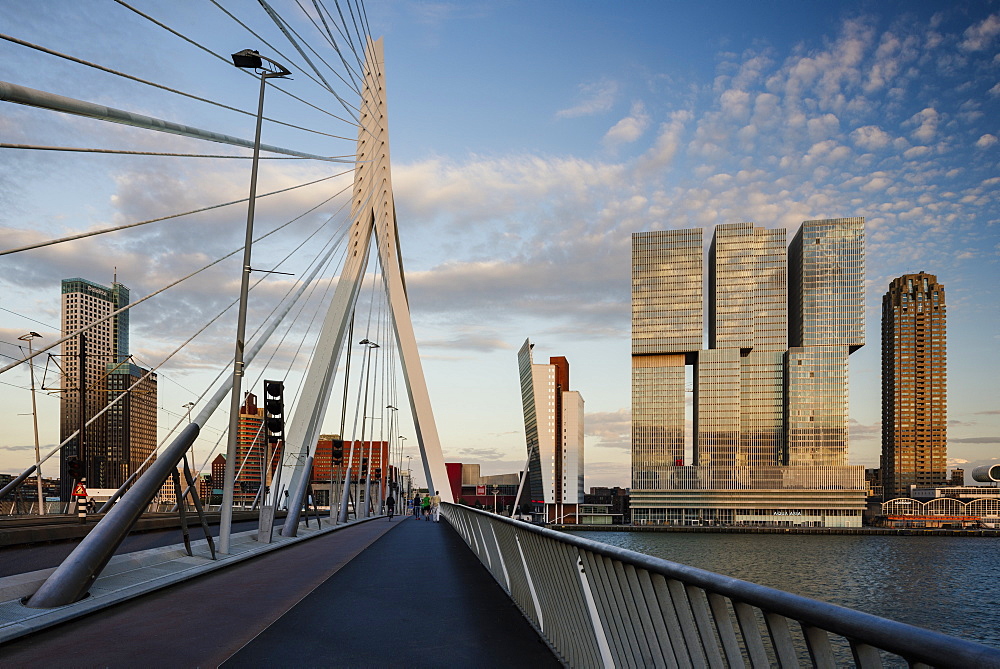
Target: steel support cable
x: 354, y: 22
x: 167, y: 287
x: 282, y: 24
x: 77, y: 149
x: 351, y: 459
x: 17, y: 481
x: 333, y: 44
x: 31, y: 97
x: 352, y: 84
x: 360, y: 72
x: 322, y: 83
x: 265, y: 334
x: 81, y: 61
x: 227, y: 61
x: 93, y: 233
x: 288, y: 32
x: 346, y: 36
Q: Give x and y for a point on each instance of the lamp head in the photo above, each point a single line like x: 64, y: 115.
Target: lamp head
x: 248, y: 58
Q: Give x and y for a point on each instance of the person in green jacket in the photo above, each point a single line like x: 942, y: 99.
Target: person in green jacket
x: 425, y: 507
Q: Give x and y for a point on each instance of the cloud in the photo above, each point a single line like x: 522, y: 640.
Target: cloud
x: 981, y: 35
x: 975, y: 440
x: 658, y: 157
x: 870, y: 137
x: 614, y: 428
x: 926, y: 122
x: 597, y: 97
x: 986, y: 141
x: 630, y: 128
x: 479, y: 342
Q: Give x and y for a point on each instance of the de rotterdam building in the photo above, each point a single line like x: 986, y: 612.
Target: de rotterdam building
x: 767, y: 439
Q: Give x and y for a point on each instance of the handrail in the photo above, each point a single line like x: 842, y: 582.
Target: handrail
x: 639, y: 610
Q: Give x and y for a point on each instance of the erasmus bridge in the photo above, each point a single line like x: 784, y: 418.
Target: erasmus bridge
x: 290, y: 585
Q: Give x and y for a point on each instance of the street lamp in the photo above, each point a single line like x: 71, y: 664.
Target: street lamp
x: 34, y: 417
x: 247, y: 59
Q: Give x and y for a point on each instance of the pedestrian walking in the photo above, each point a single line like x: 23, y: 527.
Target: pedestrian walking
x: 425, y: 507
x: 390, y: 506
x: 416, y: 505
x: 436, y: 506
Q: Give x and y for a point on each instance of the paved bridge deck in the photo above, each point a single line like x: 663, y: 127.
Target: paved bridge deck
x: 389, y: 594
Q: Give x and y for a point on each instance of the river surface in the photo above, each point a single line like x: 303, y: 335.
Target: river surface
x: 947, y: 584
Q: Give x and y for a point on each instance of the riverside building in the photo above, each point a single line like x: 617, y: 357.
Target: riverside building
x: 553, y: 427
x: 914, y: 385
x: 97, y: 370
x: 768, y: 438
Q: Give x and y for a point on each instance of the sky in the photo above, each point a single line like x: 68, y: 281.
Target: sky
x: 528, y: 141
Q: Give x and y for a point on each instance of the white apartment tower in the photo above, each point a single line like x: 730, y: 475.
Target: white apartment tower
x: 553, y: 426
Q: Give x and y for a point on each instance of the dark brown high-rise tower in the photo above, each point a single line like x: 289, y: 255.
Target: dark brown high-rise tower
x: 914, y: 384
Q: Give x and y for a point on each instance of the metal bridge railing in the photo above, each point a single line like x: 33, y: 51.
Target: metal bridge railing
x: 599, y: 605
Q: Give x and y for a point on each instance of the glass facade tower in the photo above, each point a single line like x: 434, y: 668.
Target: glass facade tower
x: 914, y: 384
x: 769, y: 429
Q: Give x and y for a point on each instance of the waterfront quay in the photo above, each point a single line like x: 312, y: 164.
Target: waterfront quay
x: 734, y: 529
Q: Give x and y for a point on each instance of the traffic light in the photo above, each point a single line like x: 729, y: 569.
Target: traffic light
x: 74, y: 466
x: 364, y: 466
x: 274, y: 411
x: 337, y: 450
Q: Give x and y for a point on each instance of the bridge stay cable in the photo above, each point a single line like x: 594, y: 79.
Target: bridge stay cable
x: 125, y: 75
x: 17, y: 481
x: 373, y: 224
x: 372, y: 227
x: 227, y: 61
x: 292, y: 296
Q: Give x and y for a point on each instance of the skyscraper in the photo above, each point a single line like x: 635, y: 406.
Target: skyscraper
x: 131, y: 426
x: 769, y: 440
x: 827, y: 323
x: 667, y: 316
x: 99, y: 372
x: 553, y: 425
x: 914, y: 384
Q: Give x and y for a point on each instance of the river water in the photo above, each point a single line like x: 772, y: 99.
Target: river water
x: 947, y: 584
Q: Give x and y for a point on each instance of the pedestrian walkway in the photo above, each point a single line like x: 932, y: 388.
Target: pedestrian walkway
x: 417, y: 597
x: 400, y: 593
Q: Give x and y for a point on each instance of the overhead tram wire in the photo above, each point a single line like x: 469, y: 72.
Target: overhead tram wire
x: 93, y: 233
x: 167, y: 287
x: 228, y: 62
x: 87, y: 63
x: 76, y: 149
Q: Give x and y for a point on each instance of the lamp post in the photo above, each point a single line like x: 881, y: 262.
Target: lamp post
x: 34, y: 417
x: 252, y: 60
x: 393, y: 477
x: 409, y: 475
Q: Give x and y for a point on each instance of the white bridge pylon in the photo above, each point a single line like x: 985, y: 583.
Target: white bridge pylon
x: 373, y: 216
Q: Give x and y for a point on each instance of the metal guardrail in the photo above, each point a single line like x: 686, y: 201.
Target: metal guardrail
x: 602, y: 606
